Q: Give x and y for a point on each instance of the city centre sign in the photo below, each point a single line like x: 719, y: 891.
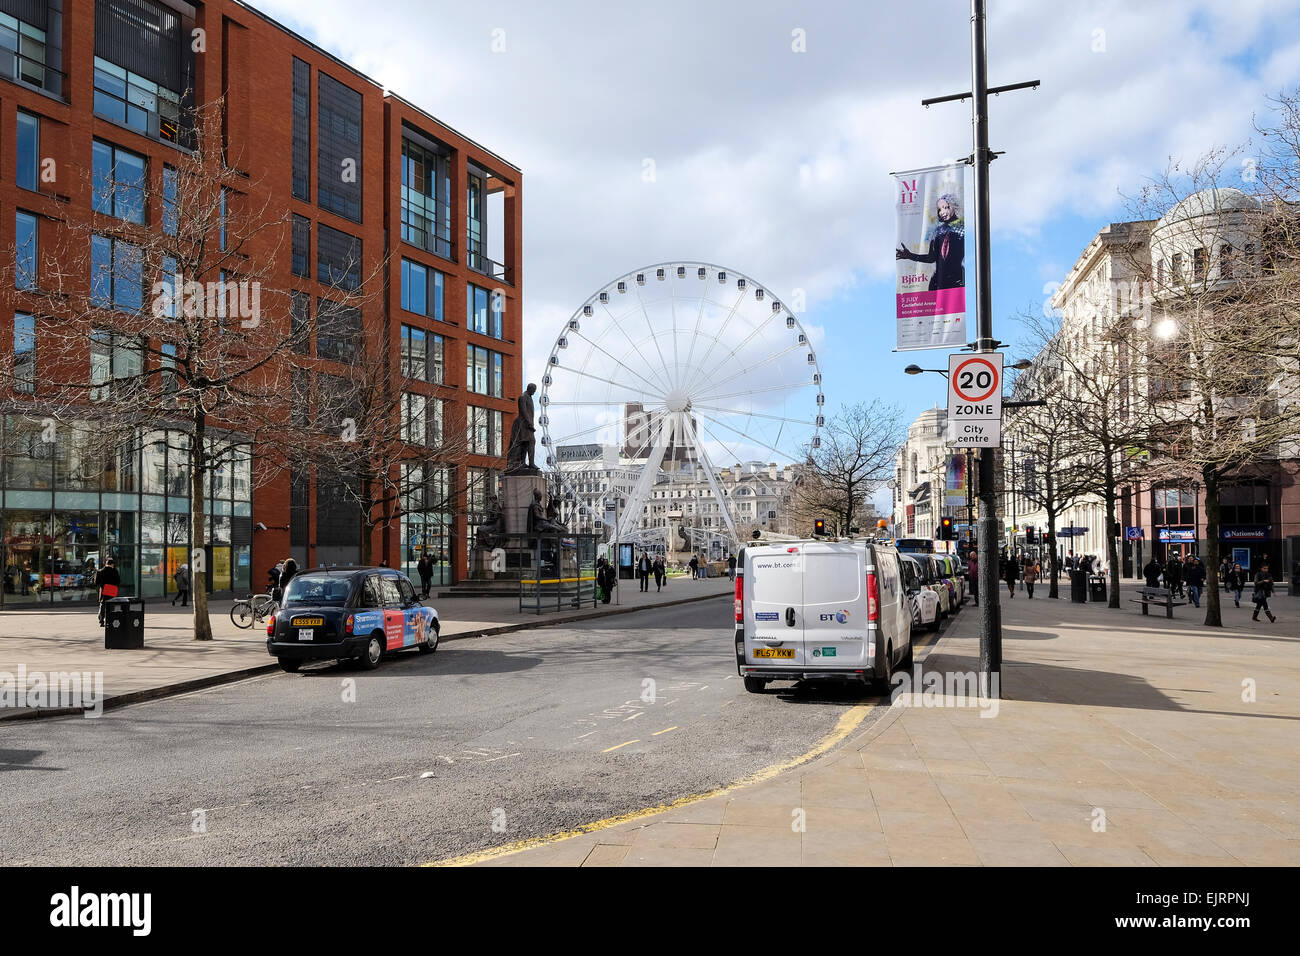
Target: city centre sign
x: 975, y: 399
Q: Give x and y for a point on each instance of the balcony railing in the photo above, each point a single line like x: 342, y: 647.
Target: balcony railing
x: 488, y: 267
x: 32, y: 72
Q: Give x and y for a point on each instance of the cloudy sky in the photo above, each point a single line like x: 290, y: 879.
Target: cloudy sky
x: 773, y: 127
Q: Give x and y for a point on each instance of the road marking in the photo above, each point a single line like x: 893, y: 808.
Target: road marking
x: 588, y: 734
x: 634, y: 716
x: 612, y: 749
x: 846, y: 725
x: 504, y: 756
x: 664, y: 731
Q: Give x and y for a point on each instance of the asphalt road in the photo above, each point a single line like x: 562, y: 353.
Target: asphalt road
x: 486, y: 742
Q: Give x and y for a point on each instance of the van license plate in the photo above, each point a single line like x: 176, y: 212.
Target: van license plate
x: 305, y: 634
x: 781, y: 652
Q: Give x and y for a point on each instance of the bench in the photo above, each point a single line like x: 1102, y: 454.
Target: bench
x: 1160, y: 597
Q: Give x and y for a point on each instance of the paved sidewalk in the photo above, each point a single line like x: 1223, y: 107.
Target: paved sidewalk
x: 46, y: 640
x: 1121, y: 740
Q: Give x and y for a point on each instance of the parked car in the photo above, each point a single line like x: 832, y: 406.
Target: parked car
x: 934, y: 581
x: 359, y: 613
x: 948, y: 568
x: 925, y: 603
x: 821, y: 609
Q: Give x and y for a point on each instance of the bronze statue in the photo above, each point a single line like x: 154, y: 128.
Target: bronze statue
x: 492, y: 531
x: 521, y: 454
x: 537, y: 518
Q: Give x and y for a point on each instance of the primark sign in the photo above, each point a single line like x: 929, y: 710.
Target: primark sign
x: 577, y: 452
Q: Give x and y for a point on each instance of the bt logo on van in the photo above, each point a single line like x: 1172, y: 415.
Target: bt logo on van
x: 839, y: 617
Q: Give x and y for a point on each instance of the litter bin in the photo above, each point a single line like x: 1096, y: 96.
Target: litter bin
x: 1096, y: 588
x: 1078, y: 586
x: 124, y: 624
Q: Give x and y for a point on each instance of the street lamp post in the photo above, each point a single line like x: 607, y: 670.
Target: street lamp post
x: 1196, y: 517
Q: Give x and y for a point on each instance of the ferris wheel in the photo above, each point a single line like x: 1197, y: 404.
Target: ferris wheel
x: 681, y: 365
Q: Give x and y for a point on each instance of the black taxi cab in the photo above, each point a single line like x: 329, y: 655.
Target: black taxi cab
x: 357, y: 613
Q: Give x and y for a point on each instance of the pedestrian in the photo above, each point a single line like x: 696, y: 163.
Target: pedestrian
x: 643, y: 571
x: 1011, y: 573
x: 1174, y: 576
x: 1225, y: 568
x: 973, y: 575
x: 1263, y: 591
x: 1030, y: 576
x: 731, y: 566
x: 1195, y: 576
x: 606, y: 580
x: 182, y: 579
x: 289, y: 569
x: 1152, y: 572
x: 107, y: 582
x: 695, y: 567
x: 703, y: 568
x: 1069, y: 560
x: 661, y: 572
x: 424, y: 568
x: 1235, y: 580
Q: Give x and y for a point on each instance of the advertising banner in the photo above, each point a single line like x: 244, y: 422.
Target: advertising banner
x: 955, y: 482
x: 930, y: 258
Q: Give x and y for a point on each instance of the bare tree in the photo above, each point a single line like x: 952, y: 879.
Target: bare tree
x: 170, y: 290
x: 856, y: 457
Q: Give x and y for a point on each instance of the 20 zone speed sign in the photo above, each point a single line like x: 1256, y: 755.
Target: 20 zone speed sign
x: 975, y: 399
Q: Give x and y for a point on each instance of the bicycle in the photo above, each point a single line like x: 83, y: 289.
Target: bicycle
x: 253, y: 610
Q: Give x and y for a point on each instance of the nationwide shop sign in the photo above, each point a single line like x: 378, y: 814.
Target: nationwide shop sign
x: 1248, y: 533
x: 1177, y: 534
x: 930, y: 258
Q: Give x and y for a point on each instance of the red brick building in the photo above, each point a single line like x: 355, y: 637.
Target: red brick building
x: 87, y: 82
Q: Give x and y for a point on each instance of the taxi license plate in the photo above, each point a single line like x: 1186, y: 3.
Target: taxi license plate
x: 308, y: 621
x: 781, y: 652
x: 305, y: 634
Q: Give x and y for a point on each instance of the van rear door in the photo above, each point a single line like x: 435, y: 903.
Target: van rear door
x: 834, y: 597
x: 774, y: 625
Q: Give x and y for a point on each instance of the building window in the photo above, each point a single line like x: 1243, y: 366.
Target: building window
x: 29, y: 150
x: 24, y: 353
x: 170, y: 209
x: 338, y: 144
x: 172, y: 291
x: 1176, y: 267
x: 1225, y: 261
x: 422, y: 355
x: 1172, y: 506
x: 118, y: 183
x: 338, y: 258
x: 301, y: 246
x: 116, y: 274
x: 167, y: 369
x: 26, y: 246
x: 483, y: 371
x: 300, y: 321
x: 25, y: 46
x: 224, y: 213
x: 421, y: 420
x: 1199, y: 259
x: 483, y: 430
x: 338, y: 331
x: 1244, y: 504
x: 136, y: 101
x: 426, y: 199
x: 301, y: 130
x: 484, y: 311
x: 116, y: 363
x: 422, y: 290
x: 474, y: 222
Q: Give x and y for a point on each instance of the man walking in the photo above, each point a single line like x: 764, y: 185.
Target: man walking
x: 1011, y: 572
x: 973, y: 576
x: 1030, y: 576
x: 660, y: 573
x: 424, y: 567
x: 643, y: 571
x: 695, y: 567
x: 182, y: 579
x: 1152, y: 572
x: 107, y: 581
x: 1195, y: 574
x: 1174, y: 576
x: 731, y: 566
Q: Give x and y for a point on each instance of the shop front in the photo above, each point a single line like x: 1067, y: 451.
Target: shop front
x: 1251, y: 546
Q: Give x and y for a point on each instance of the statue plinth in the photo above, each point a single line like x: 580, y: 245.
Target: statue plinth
x: 516, y: 497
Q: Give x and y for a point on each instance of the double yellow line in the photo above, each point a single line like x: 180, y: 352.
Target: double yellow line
x: 844, y: 726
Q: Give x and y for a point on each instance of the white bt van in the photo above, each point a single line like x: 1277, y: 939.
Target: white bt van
x: 820, y: 609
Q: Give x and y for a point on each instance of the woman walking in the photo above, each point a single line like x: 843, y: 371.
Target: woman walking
x: 1030, y: 576
x: 1263, y: 591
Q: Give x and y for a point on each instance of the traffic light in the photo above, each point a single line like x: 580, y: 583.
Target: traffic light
x: 945, y: 529
x: 1031, y: 536
x: 819, y: 527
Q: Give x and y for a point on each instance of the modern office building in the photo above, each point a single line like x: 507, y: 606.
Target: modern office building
x: 113, y: 85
